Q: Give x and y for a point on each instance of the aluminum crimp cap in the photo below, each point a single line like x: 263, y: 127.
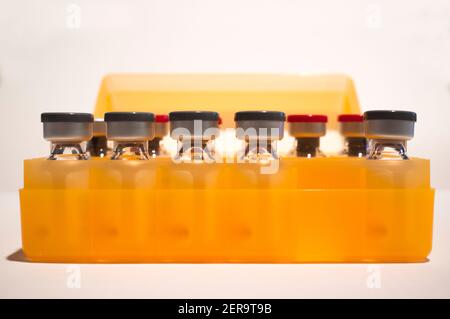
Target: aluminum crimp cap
x: 351, y: 125
x: 195, y: 124
x: 398, y: 125
x: 260, y: 124
x: 307, y: 125
x: 130, y: 126
x: 67, y: 127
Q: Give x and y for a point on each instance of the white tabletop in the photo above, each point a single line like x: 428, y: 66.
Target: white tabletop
x: 33, y: 280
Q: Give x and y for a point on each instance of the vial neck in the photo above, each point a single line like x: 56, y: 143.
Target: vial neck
x: 308, y: 146
x: 260, y: 149
x: 356, y: 146
x: 132, y: 150
x: 195, y: 150
x: 387, y: 149
x: 68, y: 151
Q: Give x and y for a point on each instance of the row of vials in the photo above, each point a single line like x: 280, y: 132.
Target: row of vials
x: 139, y: 135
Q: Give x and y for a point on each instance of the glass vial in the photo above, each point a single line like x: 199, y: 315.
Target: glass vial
x: 307, y: 129
x: 161, y: 129
x: 68, y: 134
x: 98, y: 145
x: 130, y: 132
x: 260, y: 131
x: 351, y: 127
x: 388, y: 133
x: 195, y: 133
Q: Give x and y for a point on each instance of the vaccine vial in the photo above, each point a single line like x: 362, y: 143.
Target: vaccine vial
x: 388, y: 133
x: 260, y: 131
x: 98, y: 145
x: 351, y: 127
x: 68, y: 134
x: 307, y: 129
x: 130, y: 133
x: 161, y: 129
x: 195, y: 133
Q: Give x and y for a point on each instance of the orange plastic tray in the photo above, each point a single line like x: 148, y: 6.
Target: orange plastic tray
x: 312, y: 210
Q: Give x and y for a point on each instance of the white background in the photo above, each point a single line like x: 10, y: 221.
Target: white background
x: 54, y: 53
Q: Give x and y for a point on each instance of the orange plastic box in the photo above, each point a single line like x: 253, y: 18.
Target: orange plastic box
x: 311, y: 210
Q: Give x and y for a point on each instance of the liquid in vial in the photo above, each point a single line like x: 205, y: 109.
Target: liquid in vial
x: 388, y: 133
x: 68, y: 134
x: 351, y: 127
x: 260, y: 131
x: 195, y: 133
x: 307, y: 129
x: 130, y: 132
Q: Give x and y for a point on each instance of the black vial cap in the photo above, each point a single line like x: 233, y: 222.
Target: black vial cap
x: 66, y: 117
x: 390, y: 115
x: 193, y: 115
x: 129, y: 117
x: 259, y: 116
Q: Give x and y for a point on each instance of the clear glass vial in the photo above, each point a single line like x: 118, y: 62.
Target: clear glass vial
x: 351, y: 127
x: 260, y: 131
x: 307, y: 129
x: 130, y: 132
x: 195, y: 133
x: 98, y: 145
x: 68, y: 134
x: 388, y: 133
x: 161, y: 129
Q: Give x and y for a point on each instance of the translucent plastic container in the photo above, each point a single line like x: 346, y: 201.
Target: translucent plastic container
x: 312, y: 210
